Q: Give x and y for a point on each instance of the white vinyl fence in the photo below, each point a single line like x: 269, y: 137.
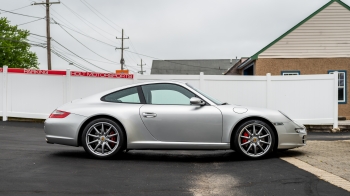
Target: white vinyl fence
x: 308, y: 99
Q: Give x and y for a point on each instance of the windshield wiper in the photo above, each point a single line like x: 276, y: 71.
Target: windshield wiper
x: 224, y: 103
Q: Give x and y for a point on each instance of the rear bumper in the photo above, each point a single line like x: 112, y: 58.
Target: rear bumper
x: 63, y: 130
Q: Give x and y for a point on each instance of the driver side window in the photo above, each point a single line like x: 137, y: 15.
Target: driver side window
x: 167, y: 94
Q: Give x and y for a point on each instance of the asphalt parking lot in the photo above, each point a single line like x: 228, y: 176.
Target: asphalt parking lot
x: 29, y: 166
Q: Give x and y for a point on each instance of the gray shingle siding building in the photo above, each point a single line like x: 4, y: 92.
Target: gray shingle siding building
x: 192, y: 67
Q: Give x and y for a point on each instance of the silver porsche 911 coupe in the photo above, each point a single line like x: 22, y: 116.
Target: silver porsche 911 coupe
x: 169, y: 115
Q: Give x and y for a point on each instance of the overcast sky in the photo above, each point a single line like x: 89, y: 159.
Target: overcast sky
x: 165, y: 29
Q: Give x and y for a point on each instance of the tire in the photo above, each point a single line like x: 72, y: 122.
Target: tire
x: 102, y: 138
x: 254, y: 144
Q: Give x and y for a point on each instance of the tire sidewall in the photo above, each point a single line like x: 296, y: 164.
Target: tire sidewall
x: 240, y: 127
x: 120, y: 132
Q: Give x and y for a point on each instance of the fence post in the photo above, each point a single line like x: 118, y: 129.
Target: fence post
x: 268, y: 90
x: 135, y: 79
x: 4, y: 93
x: 201, y: 81
x: 335, y: 102
x: 67, y: 87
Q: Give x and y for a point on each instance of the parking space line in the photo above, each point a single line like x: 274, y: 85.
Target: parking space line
x: 324, y: 175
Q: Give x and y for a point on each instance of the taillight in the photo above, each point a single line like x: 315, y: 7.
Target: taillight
x: 59, y: 114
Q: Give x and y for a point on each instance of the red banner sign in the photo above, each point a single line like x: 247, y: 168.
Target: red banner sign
x: 101, y: 75
x: 72, y: 73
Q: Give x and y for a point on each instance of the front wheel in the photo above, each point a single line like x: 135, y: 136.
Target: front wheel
x: 102, y: 138
x: 254, y: 139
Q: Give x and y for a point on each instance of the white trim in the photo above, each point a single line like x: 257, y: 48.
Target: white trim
x: 290, y: 73
x: 343, y: 87
x: 4, y: 93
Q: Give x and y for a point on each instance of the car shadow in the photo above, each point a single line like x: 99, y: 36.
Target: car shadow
x: 168, y: 156
x: 290, y: 153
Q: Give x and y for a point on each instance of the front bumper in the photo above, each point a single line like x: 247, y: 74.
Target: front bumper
x: 63, y: 130
x: 288, y: 138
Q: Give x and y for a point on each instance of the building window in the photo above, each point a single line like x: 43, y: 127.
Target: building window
x: 341, y: 85
x: 249, y: 71
x: 290, y: 73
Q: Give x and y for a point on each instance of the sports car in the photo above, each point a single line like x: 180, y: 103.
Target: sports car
x: 169, y: 115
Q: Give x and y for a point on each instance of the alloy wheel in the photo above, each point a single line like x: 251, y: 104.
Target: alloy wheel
x: 102, y: 139
x: 255, y: 140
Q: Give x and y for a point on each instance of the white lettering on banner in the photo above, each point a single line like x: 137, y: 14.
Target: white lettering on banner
x: 33, y: 71
x: 101, y: 75
x: 76, y: 73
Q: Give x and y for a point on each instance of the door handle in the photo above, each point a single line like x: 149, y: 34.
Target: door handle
x: 149, y: 115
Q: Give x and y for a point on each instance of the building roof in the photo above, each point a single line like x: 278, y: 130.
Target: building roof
x: 255, y: 56
x: 192, y: 67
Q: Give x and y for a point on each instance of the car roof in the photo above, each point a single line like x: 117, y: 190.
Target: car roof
x: 152, y: 82
x: 98, y: 95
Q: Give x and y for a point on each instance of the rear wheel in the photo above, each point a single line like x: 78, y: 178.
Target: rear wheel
x: 254, y: 139
x: 102, y: 138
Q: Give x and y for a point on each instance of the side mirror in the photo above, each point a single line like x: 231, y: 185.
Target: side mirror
x: 197, y: 101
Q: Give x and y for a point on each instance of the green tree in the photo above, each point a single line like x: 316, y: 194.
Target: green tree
x: 14, y: 48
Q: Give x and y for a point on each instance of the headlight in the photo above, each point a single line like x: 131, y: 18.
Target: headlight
x: 285, y: 116
x: 300, y: 130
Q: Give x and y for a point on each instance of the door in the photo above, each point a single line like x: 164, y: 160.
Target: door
x: 169, y: 116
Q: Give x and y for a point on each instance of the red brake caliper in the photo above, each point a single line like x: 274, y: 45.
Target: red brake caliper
x: 113, y: 138
x: 244, y: 140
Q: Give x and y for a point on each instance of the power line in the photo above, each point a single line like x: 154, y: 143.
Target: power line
x: 57, y: 54
x: 19, y: 14
x: 37, y: 38
x: 84, y: 44
x: 86, y: 22
x: 31, y: 21
x: 21, y: 8
x: 107, y: 43
x: 59, y: 16
x: 65, y: 19
x: 151, y: 57
x: 97, y: 14
x: 131, y: 57
x: 23, y: 42
x: 172, y: 61
x: 132, y: 45
x: 88, y: 58
x: 128, y: 66
x: 36, y: 42
x: 93, y: 39
x: 37, y: 35
x: 71, y: 62
x: 79, y: 56
x: 91, y: 7
x: 103, y: 15
x: 87, y: 36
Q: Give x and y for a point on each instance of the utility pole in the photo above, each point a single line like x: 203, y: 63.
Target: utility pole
x: 48, y: 37
x: 141, y: 72
x: 122, y: 61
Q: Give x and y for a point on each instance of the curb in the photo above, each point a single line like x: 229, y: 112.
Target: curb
x: 327, y: 128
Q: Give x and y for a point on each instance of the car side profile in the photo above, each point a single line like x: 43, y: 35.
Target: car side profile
x: 169, y: 115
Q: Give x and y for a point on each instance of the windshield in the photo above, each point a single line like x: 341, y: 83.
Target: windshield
x: 217, y: 102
